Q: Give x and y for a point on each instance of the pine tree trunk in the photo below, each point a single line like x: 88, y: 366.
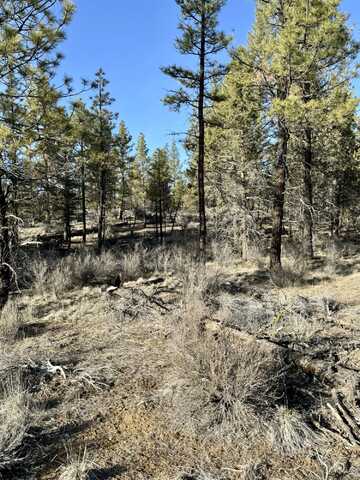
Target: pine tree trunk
x: 201, y: 146
x: 122, y: 204
x: 161, y: 221
x: 67, y: 219
x: 5, y: 257
x: 144, y: 203
x: 308, y: 197
x: 278, y: 203
x: 173, y: 220
x: 47, y: 192
x: 156, y: 221
x: 336, y: 212
x: 102, y: 203
x: 83, y: 202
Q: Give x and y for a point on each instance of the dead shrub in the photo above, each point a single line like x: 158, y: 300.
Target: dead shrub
x: 54, y: 277
x: 84, y: 268
x: 249, y: 314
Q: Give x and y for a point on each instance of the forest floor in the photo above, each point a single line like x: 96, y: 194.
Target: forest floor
x: 187, y: 373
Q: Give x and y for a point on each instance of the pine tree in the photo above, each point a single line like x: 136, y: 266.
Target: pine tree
x: 159, y: 188
x: 139, y: 175
x: 178, y: 183
x: 81, y: 125
x: 102, y: 149
x: 321, y: 49
x: 30, y: 32
x: 53, y: 146
x: 237, y: 186
x: 294, y: 49
x: 124, y: 145
x: 200, y: 37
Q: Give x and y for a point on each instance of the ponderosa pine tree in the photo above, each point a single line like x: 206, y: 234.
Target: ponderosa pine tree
x: 124, y: 146
x: 320, y: 50
x: 200, y: 38
x: 269, y: 65
x: 158, y: 188
x: 236, y: 162
x: 53, y: 145
x: 30, y: 32
x: 12, y: 114
x: 139, y: 173
x: 292, y: 56
x: 102, y: 148
x: 81, y: 125
x: 178, y: 183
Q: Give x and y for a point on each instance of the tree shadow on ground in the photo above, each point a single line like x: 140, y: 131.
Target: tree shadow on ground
x: 106, y: 473
x: 34, y: 329
x: 42, y: 447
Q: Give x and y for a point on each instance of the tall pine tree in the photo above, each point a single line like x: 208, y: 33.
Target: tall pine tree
x: 200, y: 38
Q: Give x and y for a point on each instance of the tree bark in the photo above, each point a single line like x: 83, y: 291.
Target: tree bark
x: 67, y: 220
x: 5, y: 247
x: 201, y: 146
x: 161, y: 220
x: 122, y: 202
x: 174, y: 217
x: 47, y: 191
x: 156, y: 220
x: 278, y: 202
x: 102, y: 210
x: 308, y: 197
x: 83, y: 201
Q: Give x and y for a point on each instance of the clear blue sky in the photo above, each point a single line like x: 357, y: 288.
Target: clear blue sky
x: 130, y: 40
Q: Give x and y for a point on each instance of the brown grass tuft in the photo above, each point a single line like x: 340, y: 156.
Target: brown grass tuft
x: 14, y: 421
x: 11, y: 321
x: 222, y: 387
x: 77, y: 466
x: 289, y: 433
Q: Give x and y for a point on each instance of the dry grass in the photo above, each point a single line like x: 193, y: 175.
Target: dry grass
x: 39, y: 272
x: 133, y: 263
x: 75, y: 271
x: 14, y: 422
x: 223, y: 387
x: 292, y: 273
x: 11, y: 320
x: 88, y: 268
x: 290, y: 434
x: 77, y: 466
x: 172, y: 396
